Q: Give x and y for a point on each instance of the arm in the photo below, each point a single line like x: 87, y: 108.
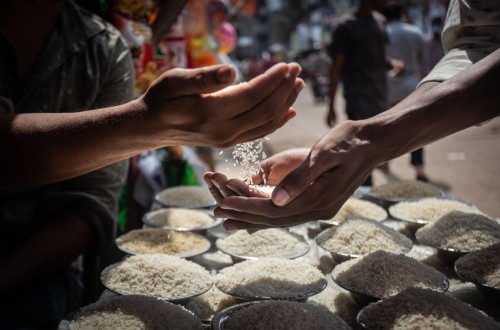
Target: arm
x: 340, y: 161
x: 182, y: 107
x: 335, y: 74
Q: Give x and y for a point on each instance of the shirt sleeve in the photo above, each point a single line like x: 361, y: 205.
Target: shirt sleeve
x: 94, y: 196
x: 340, y: 39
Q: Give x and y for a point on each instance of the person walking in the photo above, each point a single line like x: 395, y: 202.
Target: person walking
x: 359, y: 60
x: 407, y: 43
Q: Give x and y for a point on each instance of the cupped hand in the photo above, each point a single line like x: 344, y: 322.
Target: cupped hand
x: 316, y: 189
x: 200, y: 107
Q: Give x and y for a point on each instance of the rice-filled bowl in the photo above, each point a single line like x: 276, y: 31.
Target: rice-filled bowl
x: 417, y: 308
x: 135, y: 313
x: 355, y: 208
x: 460, y: 232
x: 185, y: 197
x: 273, y: 242
x: 157, y: 275
x: 270, y: 278
x: 382, y: 274
x: 428, y: 210
x: 358, y: 237
x: 155, y: 240
x: 180, y: 219
x: 404, y: 190
x: 277, y: 315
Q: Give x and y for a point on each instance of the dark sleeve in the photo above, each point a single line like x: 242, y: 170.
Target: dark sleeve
x: 94, y: 196
x: 340, y: 39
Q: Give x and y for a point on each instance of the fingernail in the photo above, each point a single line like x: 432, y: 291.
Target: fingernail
x: 295, y: 69
x: 225, y: 74
x: 280, y: 197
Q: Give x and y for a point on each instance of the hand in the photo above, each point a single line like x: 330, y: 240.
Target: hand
x: 336, y: 166
x: 274, y: 169
x: 398, y: 68
x: 198, y: 107
x: 331, y: 117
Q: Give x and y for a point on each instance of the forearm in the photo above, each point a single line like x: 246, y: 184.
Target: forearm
x: 44, y: 147
x: 54, y: 245
x: 435, y: 111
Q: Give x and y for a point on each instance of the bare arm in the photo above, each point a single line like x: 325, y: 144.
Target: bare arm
x: 340, y: 161
x: 182, y: 107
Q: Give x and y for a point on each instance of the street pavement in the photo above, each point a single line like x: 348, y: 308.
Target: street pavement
x: 465, y: 164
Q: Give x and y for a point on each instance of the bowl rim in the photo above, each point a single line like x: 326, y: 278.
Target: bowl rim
x: 146, y: 219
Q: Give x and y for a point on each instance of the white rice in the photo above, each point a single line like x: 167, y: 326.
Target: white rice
x: 134, y: 313
x: 284, y: 315
x: 428, y: 209
x: 264, y: 243
x: 157, y: 275
x: 382, y: 274
x: 210, y: 303
x: 464, y: 232
x: 180, y: 218
x: 153, y: 240
x: 358, y: 208
x: 417, y: 308
x: 270, y: 277
x: 248, y: 156
x: 405, y: 189
x: 357, y: 237
x: 482, y: 266
x: 186, y: 196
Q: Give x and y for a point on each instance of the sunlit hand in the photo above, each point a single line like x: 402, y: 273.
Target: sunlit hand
x: 199, y: 107
x: 316, y: 189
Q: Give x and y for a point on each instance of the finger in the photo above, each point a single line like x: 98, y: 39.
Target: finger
x: 207, y: 177
x: 220, y: 181
x: 238, y: 99
x: 299, y: 180
x: 243, y: 189
x: 265, y: 129
x: 273, y: 108
x: 183, y: 82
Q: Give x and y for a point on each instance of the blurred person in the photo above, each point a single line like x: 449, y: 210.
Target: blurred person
x: 407, y: 43
x: 359, y: 60
x: 461, y: 91
x: 435, y: 51
x: 69, y: 124
x: 317, y: 66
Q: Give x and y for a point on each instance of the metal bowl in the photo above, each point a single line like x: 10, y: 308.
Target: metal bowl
x: 161, y: 198
x: 238, y: 257
x: 148, y: 218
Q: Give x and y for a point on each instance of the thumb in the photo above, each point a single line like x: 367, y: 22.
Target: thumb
x: 183, y: 82
x: 296, y: 183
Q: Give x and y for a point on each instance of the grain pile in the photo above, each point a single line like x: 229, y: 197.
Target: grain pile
x: 358, y: 208
x: 264, y: 243
x: 150, y: 240
x: 382, y: 274
x: 179, y: 218
x: 405, y: 189
x: 428, y: 209
x: 157, y: 275
x: 482, y: 266
x: 272, y: 278
x: 134, y: 313
x: 186, y: 196
x: 417, y: 308
x: 284, y: 315
x: 356, y: 237
x: 248, y: 156
x: 210, y: 303
x: 464, y: 232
